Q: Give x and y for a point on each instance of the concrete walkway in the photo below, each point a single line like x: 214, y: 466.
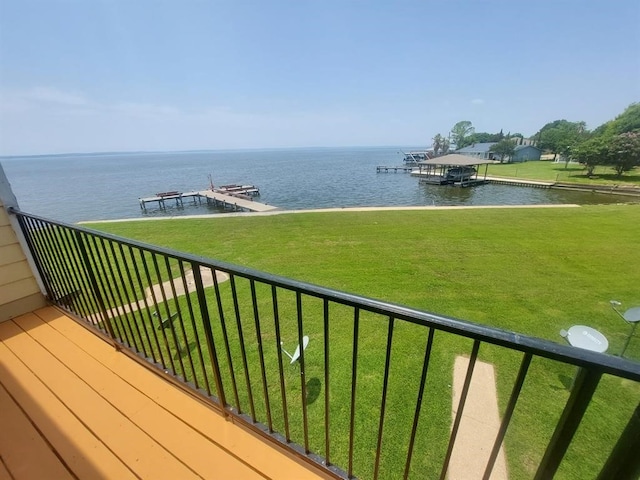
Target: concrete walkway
x: 207, y: 281
x: 479, y: 425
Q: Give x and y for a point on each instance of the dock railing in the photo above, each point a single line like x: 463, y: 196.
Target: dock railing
x: 361, y: 400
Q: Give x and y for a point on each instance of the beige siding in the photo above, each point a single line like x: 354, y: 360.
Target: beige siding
x: 19, y: 292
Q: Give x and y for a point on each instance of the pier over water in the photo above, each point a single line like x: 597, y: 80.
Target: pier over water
x: 234, y: 199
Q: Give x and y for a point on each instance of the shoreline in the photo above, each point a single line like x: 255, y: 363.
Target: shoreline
x: 327, y: 210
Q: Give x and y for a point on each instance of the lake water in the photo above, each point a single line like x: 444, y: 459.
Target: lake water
x: 73, y: 188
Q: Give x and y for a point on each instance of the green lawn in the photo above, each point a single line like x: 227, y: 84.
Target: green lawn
x: 533, y: 271
x: 559, y: 172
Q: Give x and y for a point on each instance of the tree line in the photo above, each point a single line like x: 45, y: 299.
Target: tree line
x: 615, y: 143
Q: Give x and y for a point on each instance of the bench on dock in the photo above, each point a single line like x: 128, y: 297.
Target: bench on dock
x: 167, y: 194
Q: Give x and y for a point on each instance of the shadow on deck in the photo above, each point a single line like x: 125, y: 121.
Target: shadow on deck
x: 85, y: 410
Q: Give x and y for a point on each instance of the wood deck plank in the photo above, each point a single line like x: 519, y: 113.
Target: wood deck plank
x: 4, y: 473
x: 188, y: 445
x: 83, y: 452
x: 239, y: 443
x: 20, y: 443
x: 139, y: 451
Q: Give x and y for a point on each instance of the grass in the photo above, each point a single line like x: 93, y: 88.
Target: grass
x: 559, y: 172
x: 533, y: 271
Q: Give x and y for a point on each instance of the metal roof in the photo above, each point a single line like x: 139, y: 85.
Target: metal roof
x: 477, y: 147
x: 453, y: 159
x: 520, y: 147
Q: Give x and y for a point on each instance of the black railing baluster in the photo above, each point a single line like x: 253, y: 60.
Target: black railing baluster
x: 148, y: 324
x: 463, y: 399
x: 208, y: 332
x: 27, y: 231
x: 243, y: 350
x: 584, y: 386
x: 49, y: 258
x: 91, y: 293
x: 94, y: 286
x: 155, y: 306
x: 118, y: 303
x: 416, y: 415
x: 163, y: 331
x: 183, y: 330
x: 265, y: 389
x: 227, y: 347
x: 303, y: 381
x: 68, y: 296
x: 169, y: 319
x: 84, y: 299
x: 506, y: 419
x: 283, y: 391
x: 132, y: 301
x: 385, y: 382
x: 327, y: 423
x: 195, y: 332
x: 624, y: 461
x: 124, y: 298
x: 354, y: 371
x: 103, y: 283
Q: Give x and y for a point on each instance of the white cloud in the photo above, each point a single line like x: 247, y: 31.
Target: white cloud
x: 49, y: 120
x: 53, y: 95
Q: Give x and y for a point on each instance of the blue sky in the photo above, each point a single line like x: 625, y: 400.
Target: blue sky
x: 122, y: 75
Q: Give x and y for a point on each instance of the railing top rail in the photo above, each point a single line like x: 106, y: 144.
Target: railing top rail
x: 603, y: 363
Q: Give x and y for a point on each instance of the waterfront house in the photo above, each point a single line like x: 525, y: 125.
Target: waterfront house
x: 481, y: 151
x: 522, y: 153
x: 525, y: 153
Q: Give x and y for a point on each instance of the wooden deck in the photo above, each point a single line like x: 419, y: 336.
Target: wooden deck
x: 71, y: 406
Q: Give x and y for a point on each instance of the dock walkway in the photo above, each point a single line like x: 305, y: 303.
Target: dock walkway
x: 235, y: 202
x: 395, y: 168
x: 227, y: 200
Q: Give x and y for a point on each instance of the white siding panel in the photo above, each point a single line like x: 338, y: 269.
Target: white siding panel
x: 11, y: 254
x: 17, y: 290
x: 7, y: 235
x: 14, y: 272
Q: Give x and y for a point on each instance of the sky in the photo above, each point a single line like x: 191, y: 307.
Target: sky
x: 166, y: 75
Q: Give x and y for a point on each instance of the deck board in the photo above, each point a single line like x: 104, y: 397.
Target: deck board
x: 108, y: 416
x: 20, y: 443
x: 82, y: 450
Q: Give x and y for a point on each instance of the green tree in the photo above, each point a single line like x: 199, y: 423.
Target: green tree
x: 461, y: 132
x: 592, y: 152
x: 504, y: 148
x: 627, y: 121
x: 445, y: 146
x: 624, y: 152
x: 437, y: 144
x: 560, y: 136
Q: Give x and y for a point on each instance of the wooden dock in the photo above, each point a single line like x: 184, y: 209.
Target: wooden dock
x: 234, y: 202
x: 237, y: 201
x: 395, y: 169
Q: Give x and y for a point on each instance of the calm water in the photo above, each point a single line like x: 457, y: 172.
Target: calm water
x: 107, y: 186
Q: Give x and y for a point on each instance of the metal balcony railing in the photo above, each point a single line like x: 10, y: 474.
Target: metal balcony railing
x: 226, y: 330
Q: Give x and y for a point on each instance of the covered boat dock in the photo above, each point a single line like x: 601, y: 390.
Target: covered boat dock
x: 452, y: 169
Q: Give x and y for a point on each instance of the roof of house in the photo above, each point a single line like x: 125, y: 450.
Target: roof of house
x: 456, y: 160
x: 477, y: 148
x: 520, y: 147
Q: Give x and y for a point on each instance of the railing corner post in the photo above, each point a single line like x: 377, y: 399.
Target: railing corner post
x: 584, y: 386
x: 624, y: 461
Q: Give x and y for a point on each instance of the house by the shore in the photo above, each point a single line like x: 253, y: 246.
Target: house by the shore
x: 482, y: 151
